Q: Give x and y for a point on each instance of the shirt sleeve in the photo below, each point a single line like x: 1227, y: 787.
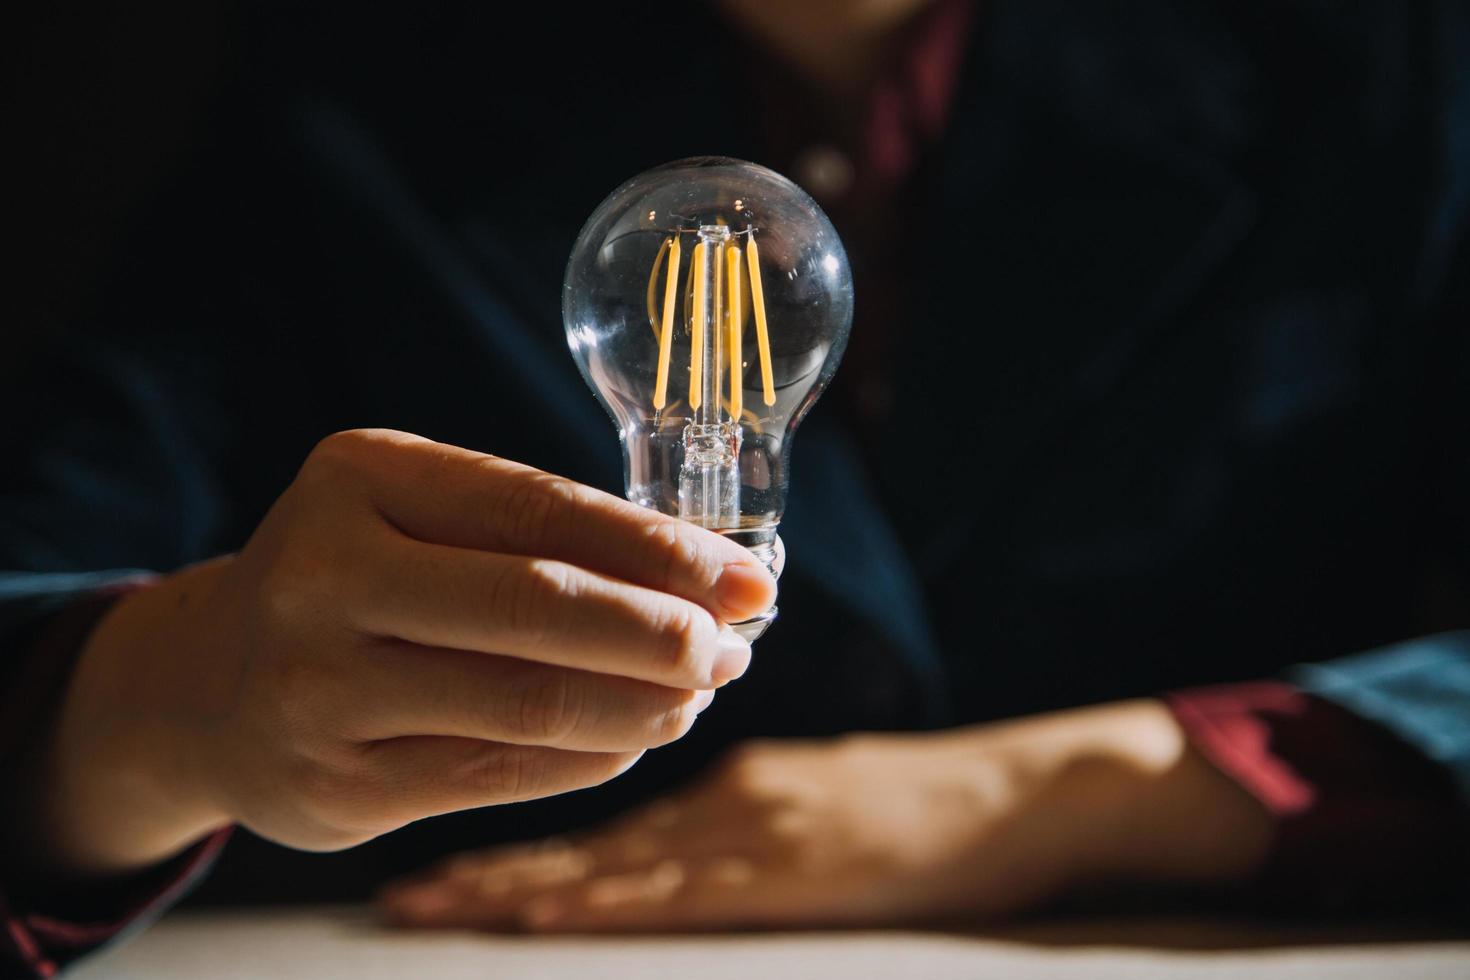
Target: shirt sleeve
x: 1419, y: 691
x: 44, y: 928
x: 41, y: 942
x: 1366, y: 819
x: 112, y: 443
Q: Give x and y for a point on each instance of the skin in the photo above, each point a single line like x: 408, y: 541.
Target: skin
x: 876, y: 830
x: 413, y: 629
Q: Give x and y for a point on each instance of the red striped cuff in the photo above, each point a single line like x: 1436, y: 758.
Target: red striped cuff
x: 1364, y: 820
x: 45, y: 943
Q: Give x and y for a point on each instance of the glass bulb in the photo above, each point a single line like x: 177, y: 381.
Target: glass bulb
x: 707, y: 303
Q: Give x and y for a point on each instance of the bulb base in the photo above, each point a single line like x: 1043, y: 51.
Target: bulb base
x: 754, y: 628
x: 761, y: 542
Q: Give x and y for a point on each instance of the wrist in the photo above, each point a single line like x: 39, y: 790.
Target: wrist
x: 121, y: 785
x: 1152, y: 809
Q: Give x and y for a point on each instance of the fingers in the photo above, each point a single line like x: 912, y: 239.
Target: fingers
x: 671, y: 895
x: 485, y: 890
x: 445, y: 495
x: 543, y: 610
x: 423, y: 691
x: 422, y: 776
x: 561, y: 891
x: 636, y: 865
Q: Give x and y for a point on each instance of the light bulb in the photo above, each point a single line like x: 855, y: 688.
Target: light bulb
x: 707, y: 303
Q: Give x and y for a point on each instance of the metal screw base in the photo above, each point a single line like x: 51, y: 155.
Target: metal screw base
x: 752, y: 629
x: 761, y: 541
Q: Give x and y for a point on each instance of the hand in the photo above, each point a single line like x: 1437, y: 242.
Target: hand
x: 413, y: 629
x: 876, y: 830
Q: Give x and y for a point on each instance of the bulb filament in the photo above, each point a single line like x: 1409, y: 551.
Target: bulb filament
x: 762, y: 336
x: 666, y: 335
x: 732, y: 285
x: 698, y: 314
x: 719, y: 299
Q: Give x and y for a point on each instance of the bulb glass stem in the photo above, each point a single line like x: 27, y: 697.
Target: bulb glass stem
x: 709, y: 481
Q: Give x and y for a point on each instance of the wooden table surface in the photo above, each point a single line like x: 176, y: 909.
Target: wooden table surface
x: 343, y: 942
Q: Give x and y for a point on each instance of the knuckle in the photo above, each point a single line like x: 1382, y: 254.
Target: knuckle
x: 786, y: 833
x: 341, y: 451
x: 352, y: 457
x: 550, y: 706
x: 530, y: 507
x: 330, y: 798
x: 688, y: 635
x: 673, y: 723
x: 312, y: 576
x: 744, y: 766
x: 675, y: 554
x: 509, y: 773
x: 297, y: 586
x: 548, y: 581
x: 530, y: 594
x: 503, y: 594
x: 516, y: 595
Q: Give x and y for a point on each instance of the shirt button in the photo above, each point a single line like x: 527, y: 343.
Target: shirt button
x: 824, y: 171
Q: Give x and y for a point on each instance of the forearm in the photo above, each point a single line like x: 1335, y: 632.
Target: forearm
x: 1121, y: 796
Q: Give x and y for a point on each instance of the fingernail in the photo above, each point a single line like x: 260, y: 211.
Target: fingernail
x: 731, y: 657
x: 745, y: 590
x: 702, y: 700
